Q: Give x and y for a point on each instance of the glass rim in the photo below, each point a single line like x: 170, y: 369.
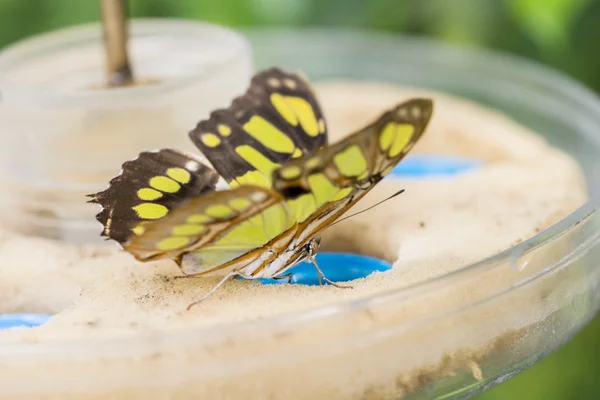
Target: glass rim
x: 492, y: 60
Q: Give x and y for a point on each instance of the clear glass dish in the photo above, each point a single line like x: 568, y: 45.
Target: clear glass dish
x: 62, y: 132
x: 365, y: 349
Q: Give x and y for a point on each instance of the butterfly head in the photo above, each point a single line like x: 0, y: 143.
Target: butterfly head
x: 311, y: 248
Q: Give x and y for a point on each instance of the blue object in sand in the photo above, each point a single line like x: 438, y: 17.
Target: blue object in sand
x: 427, y: 166
x: 8, y: 321
x: 337, y: 267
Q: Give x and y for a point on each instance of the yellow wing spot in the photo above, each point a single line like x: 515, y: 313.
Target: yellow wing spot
x: 138, y: 230
x: 210, y: 140
x: 305, y: 114
x: 172, y: 243
x: 150, y: 210
x: 363, y: 176
x: 219, y: 211
x: 303, y: 206
x: 164, y: 184
x: 290, y: 83
x: 224, y: 130
x: 148, y: 194
x: 276, y: 220
x: 270, y: 137
x: 258, y: 222
x: 248, y: 232
x: 179, y: 174
x: 290, y: 172
x: 342, y: 194
x: 198, y: 219
x: 258, y: 197
x: 274, y: 82
x: 321, y: 188
x: 282, y: 108
x: 187, y: 230
x: 313, y: 163
x: 239, y: 204
x: 351, y: 161
x: 321, y: 125
x: 387, y: 136
x: 297, y: 153
x: 251, y: 178
x: 403, y: 135
x: 258, y: 161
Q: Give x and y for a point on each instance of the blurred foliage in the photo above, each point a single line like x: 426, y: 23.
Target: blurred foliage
x: 549, y: 25
x: 560, y: 33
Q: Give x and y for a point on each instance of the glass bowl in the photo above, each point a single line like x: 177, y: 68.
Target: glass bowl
x: 64, y: 134
x: 365, y: 349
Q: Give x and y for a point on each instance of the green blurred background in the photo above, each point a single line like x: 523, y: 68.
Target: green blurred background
x: 564, y: 34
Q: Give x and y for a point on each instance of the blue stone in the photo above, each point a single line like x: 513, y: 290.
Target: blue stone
x: 338, y: 267
x: 8, y: 321
x: 424, y: 166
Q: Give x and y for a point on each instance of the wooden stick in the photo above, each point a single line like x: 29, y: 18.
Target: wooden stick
x: 114, y: 22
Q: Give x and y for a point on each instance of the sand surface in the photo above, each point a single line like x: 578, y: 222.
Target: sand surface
x: 437, y: 226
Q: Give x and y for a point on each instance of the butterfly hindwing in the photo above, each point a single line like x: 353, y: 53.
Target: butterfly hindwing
x: 335, y: 177
x: 215, y: 228
x: 148, y: 188
x: 264, y: 235
x: 277, y: 119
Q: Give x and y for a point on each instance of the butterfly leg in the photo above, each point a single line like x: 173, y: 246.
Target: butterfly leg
x: 322, y: 276
x: 214, y: 289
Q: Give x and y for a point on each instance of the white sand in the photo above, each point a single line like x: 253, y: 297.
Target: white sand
x: 439, y: 225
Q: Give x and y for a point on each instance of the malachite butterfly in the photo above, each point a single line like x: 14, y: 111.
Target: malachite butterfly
x: 286, y: 182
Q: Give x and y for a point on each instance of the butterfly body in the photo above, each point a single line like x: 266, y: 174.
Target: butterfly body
x: 286, y: 183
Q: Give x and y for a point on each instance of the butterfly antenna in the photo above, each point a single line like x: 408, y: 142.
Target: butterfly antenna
x: 367, y: 209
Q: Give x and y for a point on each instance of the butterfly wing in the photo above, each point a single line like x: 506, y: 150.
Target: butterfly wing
x: 214, y: 229
x: 332, y: 179
x: 164, y: 205
x: 148, y: 187
x: 277, y: 119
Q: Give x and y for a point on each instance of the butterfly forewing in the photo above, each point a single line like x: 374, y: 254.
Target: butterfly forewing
x: 335, y: 177
x: 289, y: 103
x: 277, y: 119
x: 148, y: 188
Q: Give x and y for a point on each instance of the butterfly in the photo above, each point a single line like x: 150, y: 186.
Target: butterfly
x: 286, y: 183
